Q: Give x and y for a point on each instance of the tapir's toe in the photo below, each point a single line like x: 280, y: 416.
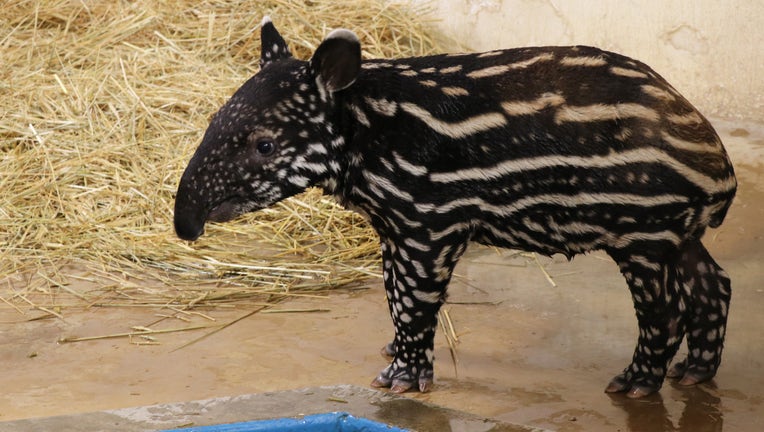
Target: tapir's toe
x: 688, y: 375
x: 402, y: 379
x: 633, y: 390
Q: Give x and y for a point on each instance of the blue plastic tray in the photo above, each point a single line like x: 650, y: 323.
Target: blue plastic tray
x: 330, y: 422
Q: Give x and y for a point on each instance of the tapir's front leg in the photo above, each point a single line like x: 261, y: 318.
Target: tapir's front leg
x: 416, y: 276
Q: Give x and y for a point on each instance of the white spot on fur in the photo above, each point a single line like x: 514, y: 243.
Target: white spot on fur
x: 490, y: 54
x: 689, y: 145
x: 359, y: 115
x: 629, y: 73
x: 451, y: 69
x: 299, y: 181
x: 685, y: 119
x: 460, y: 129
x: 455, y: 91
x: 425, y: 296
x: 602, y: 112
x: 518, y: 108
x: 417, y: 170
x: 501, y: 69
x: 583, y: 61
x: 383, y: 107
x: 657, y: 92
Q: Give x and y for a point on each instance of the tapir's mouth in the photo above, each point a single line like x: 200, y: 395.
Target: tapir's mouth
x: 189, y: 222
x: 227, y: 210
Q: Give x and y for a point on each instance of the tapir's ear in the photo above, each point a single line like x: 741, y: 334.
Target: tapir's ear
x: 273, y: 45
x: 337, y: 61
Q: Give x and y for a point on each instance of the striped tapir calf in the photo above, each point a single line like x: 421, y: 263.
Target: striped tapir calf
x: 545, y: 149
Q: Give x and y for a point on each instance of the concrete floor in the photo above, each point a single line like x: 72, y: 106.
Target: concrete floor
x: 529, y: 353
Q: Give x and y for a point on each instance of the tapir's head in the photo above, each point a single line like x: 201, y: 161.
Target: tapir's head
x: 273, y: 138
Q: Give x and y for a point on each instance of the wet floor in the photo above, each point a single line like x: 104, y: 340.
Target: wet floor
x: 322, y: 407
x: 528, y: 352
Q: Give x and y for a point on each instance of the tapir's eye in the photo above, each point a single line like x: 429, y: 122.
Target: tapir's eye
x: 265, y: 147
x: 261, y: 143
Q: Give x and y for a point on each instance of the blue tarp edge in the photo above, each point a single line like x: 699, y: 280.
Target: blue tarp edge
x: 336, y: 421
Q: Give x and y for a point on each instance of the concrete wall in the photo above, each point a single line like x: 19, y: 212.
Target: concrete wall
x: 712, y: 51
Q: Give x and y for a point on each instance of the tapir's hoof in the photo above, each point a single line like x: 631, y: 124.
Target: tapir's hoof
x: 688, y: 375
x: 399, y: 381
x: 620, y: 384
x: 402, y: 386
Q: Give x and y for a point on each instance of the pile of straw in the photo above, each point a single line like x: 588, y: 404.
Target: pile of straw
x: 102, y: 104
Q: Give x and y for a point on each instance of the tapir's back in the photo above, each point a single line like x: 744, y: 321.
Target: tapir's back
x: 504, y: 132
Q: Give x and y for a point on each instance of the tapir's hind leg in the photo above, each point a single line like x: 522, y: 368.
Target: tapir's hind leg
x: 707, y: 292
x: 654, y: 288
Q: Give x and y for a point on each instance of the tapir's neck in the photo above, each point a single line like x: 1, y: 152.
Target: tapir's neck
x: 369, y: 126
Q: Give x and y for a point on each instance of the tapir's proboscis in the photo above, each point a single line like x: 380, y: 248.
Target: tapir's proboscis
x: 544, y: 149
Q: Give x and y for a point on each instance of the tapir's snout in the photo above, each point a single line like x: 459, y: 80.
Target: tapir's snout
x: 189, y: 224
x: 188, y: 229
x: 190, y: 212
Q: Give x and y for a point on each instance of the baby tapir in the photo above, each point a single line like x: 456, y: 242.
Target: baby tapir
x: 545, y: 149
